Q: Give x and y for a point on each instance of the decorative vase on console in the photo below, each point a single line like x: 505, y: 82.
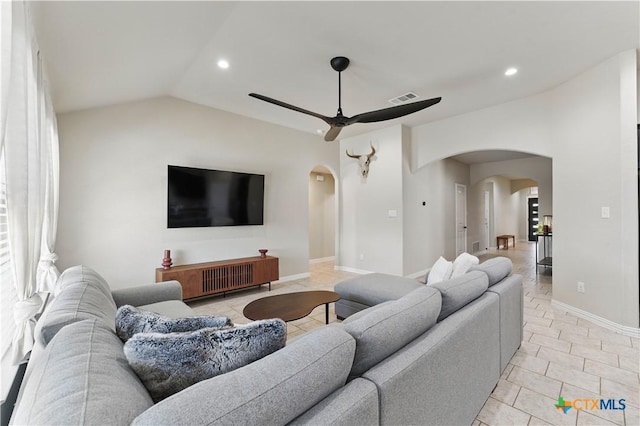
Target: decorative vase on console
x: 166, y: 262
x: 547, y: 220
x: 263, y: 252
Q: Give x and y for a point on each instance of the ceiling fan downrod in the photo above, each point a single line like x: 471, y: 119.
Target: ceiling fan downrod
x: 339, y: 63
x: 339, y: 93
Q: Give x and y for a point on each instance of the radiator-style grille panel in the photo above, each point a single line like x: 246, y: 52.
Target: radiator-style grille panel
x: 475, y: 246
x: 226, y: 277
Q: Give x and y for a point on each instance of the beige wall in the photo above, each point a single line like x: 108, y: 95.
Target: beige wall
x: 587, y: 126
x: 113, y: 186
x: 594, y: 166
x: 430, y: 229
x: 536, y: 168
x: 370, y: 239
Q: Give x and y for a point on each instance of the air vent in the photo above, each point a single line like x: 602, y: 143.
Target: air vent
x: 407, y: 97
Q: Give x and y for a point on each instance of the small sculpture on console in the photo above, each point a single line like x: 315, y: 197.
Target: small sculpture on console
x: 166, y: 262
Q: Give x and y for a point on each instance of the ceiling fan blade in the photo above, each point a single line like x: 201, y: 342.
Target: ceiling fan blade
x: 392, y: 112
x: 332, y: 134
x: 324, y: 118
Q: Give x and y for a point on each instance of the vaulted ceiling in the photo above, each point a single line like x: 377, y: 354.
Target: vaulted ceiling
x: 102, y: 53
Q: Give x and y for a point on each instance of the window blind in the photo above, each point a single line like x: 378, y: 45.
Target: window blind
x: 8, y: 297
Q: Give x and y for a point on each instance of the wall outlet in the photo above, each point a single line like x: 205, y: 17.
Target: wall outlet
x: 580, y: 287
x: 361, y: 256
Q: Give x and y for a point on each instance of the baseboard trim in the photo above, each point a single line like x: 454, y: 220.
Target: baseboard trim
x: 322, y: 259
x: 419, y: 274
x: 602, y: 322
x: 293, y: 277
x: 354, y: 270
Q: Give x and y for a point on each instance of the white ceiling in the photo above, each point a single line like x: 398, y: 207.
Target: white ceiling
x: 101, y: 53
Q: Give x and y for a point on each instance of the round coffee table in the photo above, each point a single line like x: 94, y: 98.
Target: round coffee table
x: 290, y: 306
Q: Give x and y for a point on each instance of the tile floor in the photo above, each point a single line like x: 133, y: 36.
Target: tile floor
x: 561, y: 354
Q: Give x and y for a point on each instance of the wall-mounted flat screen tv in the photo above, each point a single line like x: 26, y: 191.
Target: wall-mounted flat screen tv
x: 202, y: 197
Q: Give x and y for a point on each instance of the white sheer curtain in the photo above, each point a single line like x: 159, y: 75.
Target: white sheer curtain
x: 5, y: 65
x: 30, y: 149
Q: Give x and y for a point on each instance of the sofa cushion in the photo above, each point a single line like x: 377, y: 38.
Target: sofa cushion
x: 169, y: 308
x: 81, y: 274
x: 273, y: 390
x: 83, y: 378
x: 80, y: 293
x: 168, y: 363
x: 496, y: 269
x: 373, y: 289
x: 368, y: 310
x: 353, y: 404
x: 131, y: 320
x: 381, y: 331
x: 457, y: 292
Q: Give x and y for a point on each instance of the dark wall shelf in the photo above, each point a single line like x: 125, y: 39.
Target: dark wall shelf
x: 546, y: 259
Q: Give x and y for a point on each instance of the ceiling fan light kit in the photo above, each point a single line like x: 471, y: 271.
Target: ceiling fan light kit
x: 339, y: 64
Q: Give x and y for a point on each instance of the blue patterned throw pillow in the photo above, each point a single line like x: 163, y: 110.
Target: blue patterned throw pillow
x: 169, y: 363
x: 131, y: 320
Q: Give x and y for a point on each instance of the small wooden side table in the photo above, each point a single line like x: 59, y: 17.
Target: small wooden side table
x: 505, y: 239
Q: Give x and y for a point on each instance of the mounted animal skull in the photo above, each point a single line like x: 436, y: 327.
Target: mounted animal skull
x: 363, y: 161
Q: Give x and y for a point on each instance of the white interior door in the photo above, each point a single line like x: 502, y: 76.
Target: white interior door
x: 487, y: 215
x: 461, y: 219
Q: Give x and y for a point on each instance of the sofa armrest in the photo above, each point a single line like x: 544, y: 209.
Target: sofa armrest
x: 147, y: 294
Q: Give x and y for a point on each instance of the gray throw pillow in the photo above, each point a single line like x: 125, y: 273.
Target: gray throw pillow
x: 169, y: 363
x: 131, y: 320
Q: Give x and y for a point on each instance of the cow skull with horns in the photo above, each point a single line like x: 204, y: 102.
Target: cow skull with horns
x: 363, y: 161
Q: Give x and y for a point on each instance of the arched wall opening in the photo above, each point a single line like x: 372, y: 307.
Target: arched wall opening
x: 498, y: 185
x: 510, y: 182
x: 322, y: 220
x: 594, y: 154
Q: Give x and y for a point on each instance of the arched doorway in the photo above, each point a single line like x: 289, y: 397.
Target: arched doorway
x: 322, y: 215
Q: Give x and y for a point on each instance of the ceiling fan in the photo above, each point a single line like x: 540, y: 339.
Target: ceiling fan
x: 339, y: 64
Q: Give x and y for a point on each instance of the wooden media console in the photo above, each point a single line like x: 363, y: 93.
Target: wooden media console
x: 205, y: 279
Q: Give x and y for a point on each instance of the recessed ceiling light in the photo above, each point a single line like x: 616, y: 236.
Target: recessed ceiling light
x: 222, y: 63
x: 511, y: 71
x: 319, y: 131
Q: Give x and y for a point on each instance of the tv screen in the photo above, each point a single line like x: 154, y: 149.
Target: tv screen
x: 201, y: 197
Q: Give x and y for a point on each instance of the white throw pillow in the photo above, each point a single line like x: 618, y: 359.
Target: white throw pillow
x: 463, y: 263
x: 440, y: 271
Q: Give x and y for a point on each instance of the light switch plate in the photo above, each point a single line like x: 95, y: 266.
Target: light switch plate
x: 393, y: 213
x: 605, y: 213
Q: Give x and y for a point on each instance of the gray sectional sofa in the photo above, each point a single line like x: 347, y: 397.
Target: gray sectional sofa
x: 362, y: 292
x: 429, y: 357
